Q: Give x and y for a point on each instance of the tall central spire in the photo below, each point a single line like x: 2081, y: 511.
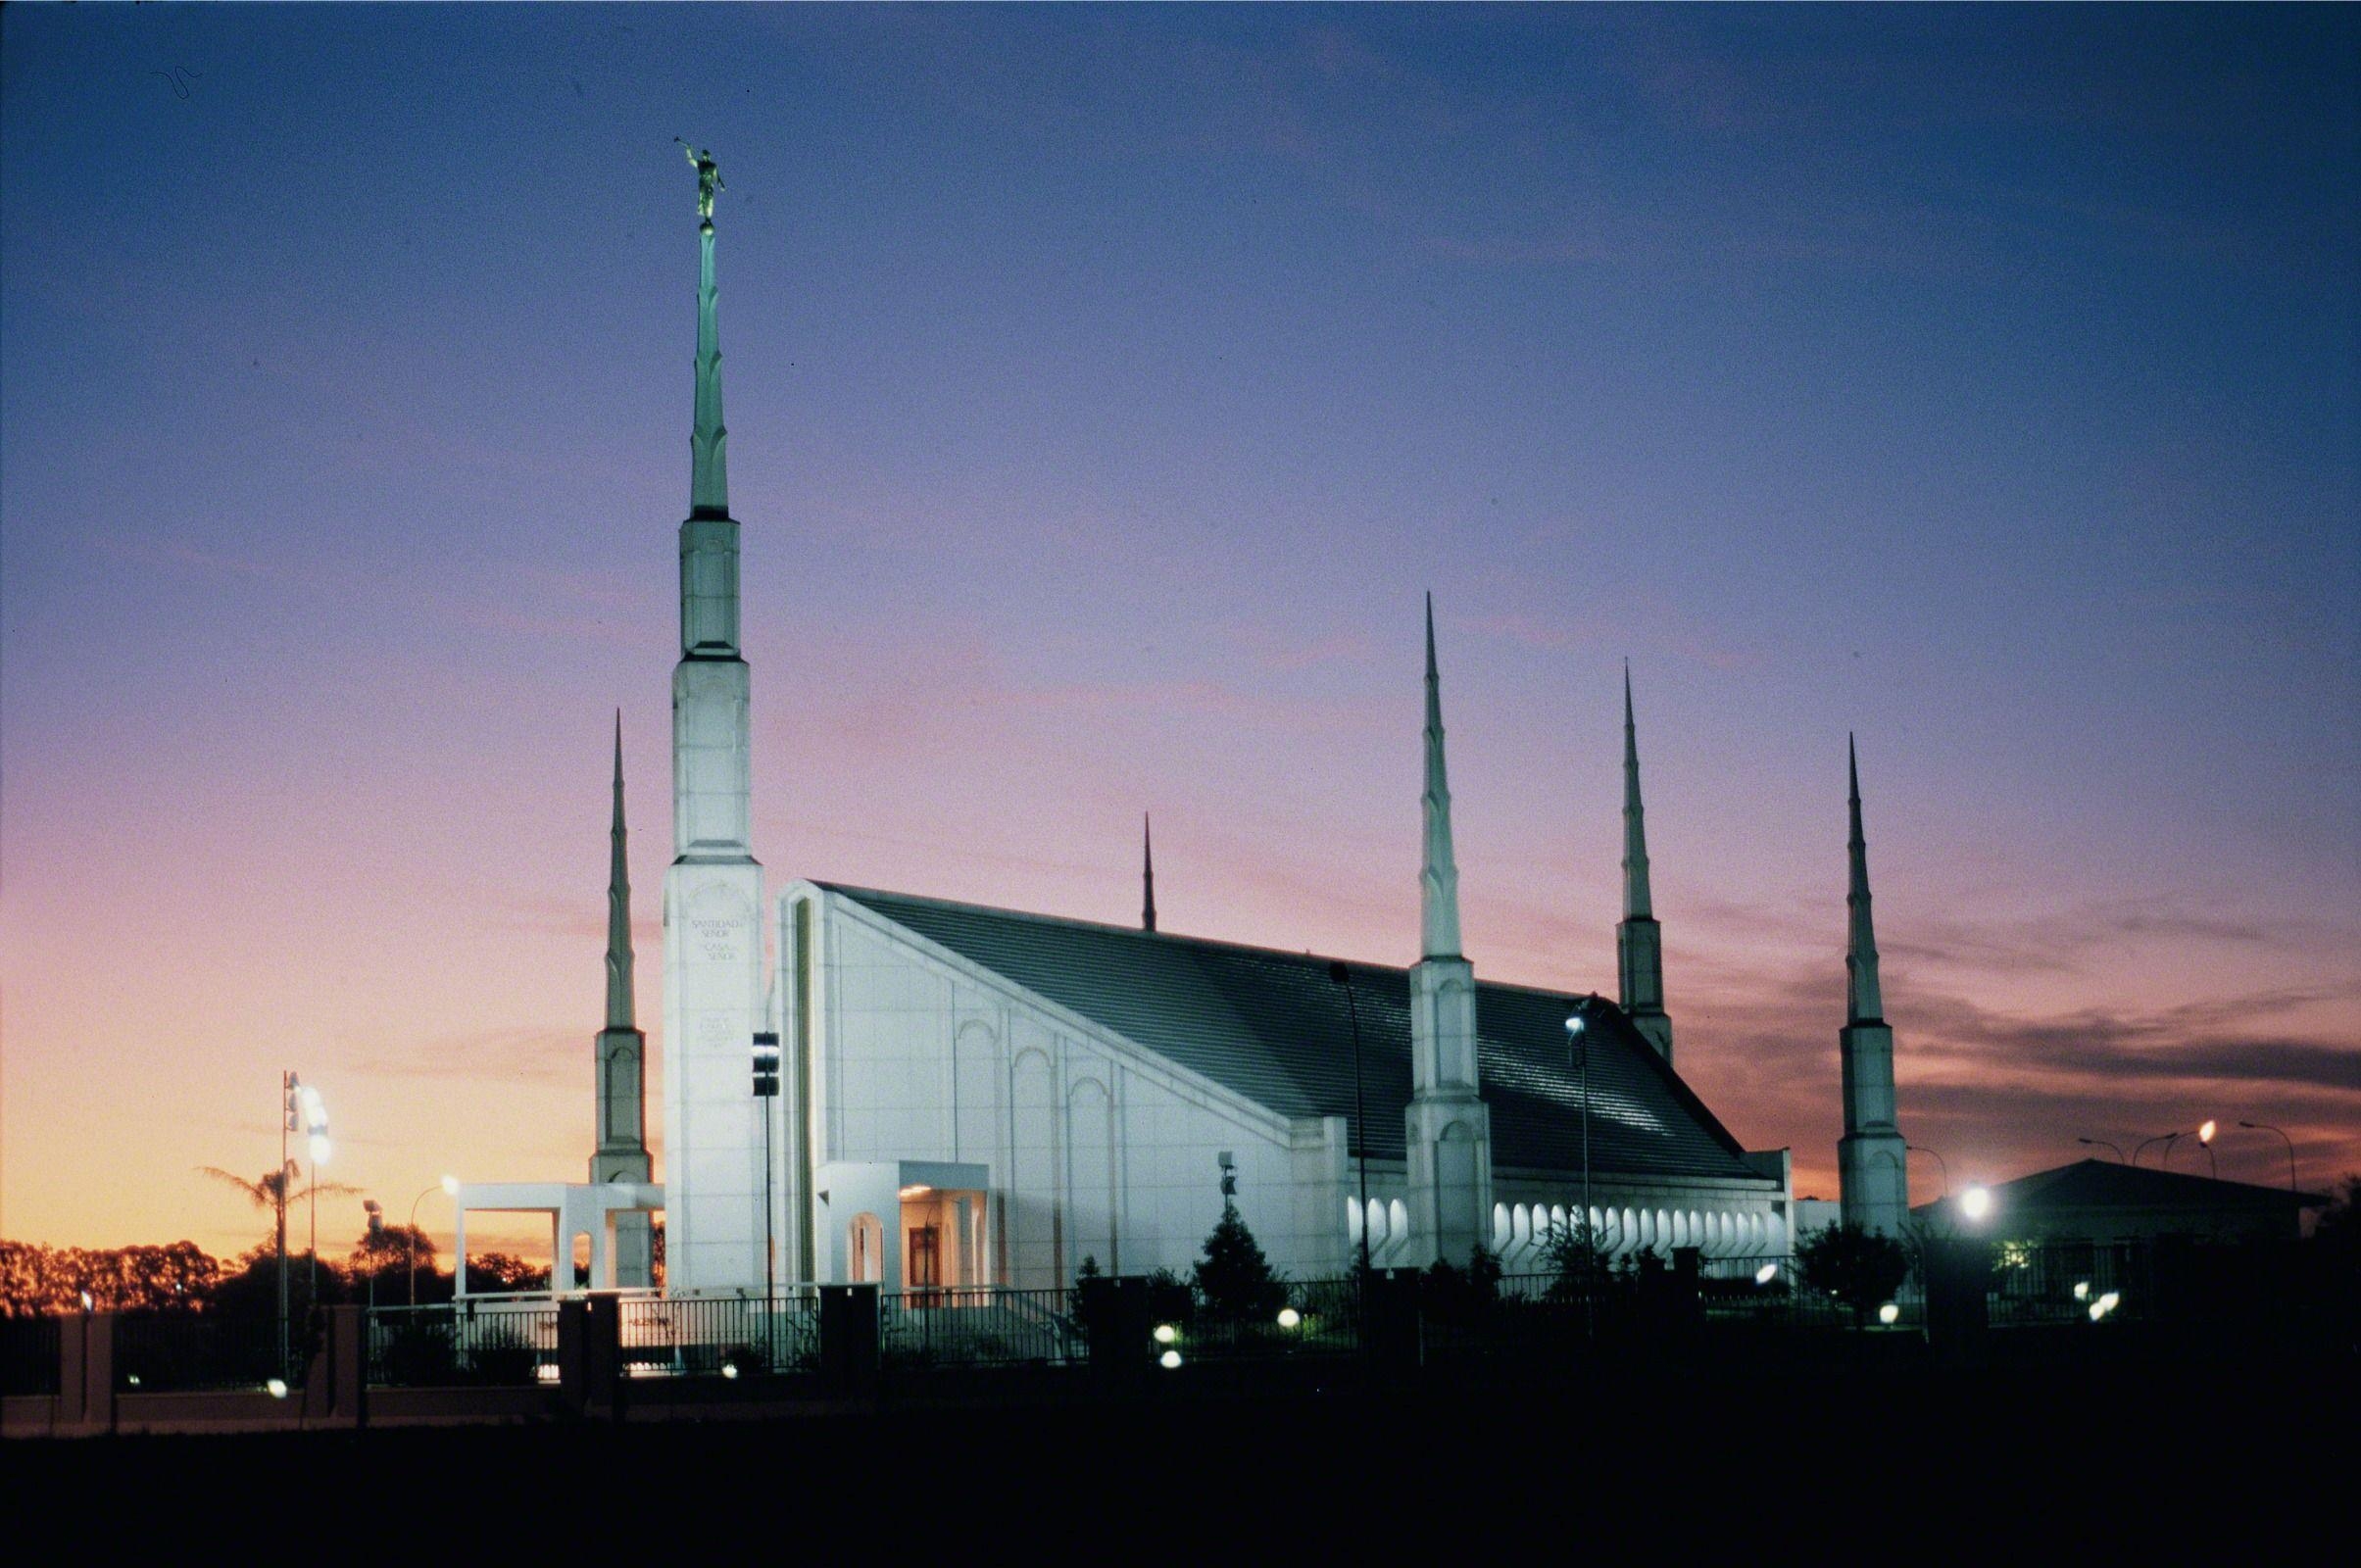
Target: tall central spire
x: 1439, y: 876
x: 1863, y: 1003
x: 709, y: 439
x: 619, y: 1009
x: 1637, y: 904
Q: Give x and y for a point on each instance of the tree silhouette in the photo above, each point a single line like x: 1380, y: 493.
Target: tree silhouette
x: 1234, y: 1277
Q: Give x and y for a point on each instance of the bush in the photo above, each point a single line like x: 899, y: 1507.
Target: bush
x: 1858, y: 1267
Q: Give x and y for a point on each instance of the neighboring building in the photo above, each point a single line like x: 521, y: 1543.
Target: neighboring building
x: 2105, y: 1201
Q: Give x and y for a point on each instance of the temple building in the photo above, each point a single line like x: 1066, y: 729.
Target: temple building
x: 973, y: 1096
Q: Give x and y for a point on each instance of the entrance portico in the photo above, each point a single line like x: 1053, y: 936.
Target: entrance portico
x: 904, y: 1225
x: 574, y: 1209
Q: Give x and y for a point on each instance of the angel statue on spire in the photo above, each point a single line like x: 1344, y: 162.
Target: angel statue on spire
x: 709, y: 179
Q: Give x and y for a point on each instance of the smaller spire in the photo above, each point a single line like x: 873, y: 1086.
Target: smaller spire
x: 1147, y: 874
x: 1439, y: 876
x: 1863, y: 1002
x: 619, y: 1009
x: 1637, y: 901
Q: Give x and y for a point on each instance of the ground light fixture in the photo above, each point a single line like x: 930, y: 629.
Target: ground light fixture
x: 2082, y: 1290
x: 1288, y: 1317
x: 277, y: 1388
x: 1976, y: 1204
x: 1165, y: 1333
x: 1889, y: 1314
x: 1765, y: 1274
x: 1168, y: 1360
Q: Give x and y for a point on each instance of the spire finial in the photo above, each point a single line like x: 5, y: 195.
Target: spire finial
x: 1147, y: 874
x: 1637, y: 901
x: 1863, y: 1002
x: 619, y: 1009
x: 709, y: 438
x: 1438, y: 876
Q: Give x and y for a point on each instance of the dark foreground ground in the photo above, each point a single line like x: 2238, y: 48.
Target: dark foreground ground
x: 2006, y: 1464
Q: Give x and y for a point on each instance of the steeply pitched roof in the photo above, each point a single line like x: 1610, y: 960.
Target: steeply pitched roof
x: 1274, y: 1028
x: 2110, y: 1184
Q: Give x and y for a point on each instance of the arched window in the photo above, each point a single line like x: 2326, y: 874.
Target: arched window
x: 864, y: 1247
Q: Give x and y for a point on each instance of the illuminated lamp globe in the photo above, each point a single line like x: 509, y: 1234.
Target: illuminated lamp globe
x: 1165, y: 1333
x: 1888, y: 1314
x: 1976, y: 1203
x: 1288, y: 1317
x: 1168, y: 1360
x: 2205, y: 1131
x: 1765, y: 1274
x: 277, y: 1388
x: 450, y: 1186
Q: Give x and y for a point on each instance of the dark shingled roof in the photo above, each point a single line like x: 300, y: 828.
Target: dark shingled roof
x: 1273, y: 1027
x: 2109, y: 1184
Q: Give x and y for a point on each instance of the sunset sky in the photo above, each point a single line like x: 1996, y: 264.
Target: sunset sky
x: 1104, y: 389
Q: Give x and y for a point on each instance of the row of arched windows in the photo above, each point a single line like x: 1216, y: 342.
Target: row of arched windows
x: 1520, y: 1232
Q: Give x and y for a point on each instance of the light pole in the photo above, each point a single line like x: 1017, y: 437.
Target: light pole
x: 1576, y: 1027
x: 287, y: 1172
x: 766, y: 1089
x: 377, y: 1236
x: 2161, y: 1138
x: 1361, y: 1127
x: 2101, y: 1142
x: 2266, y: 1127
x: 450, y: 1189
x: 316, y: 1134
x: 1940, y: 1164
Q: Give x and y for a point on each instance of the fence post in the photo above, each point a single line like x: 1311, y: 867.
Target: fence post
x: 1118, y: 1322
x: 849, y: 1340
x: 347, y: 1361
x: 1392, y: 1336
x: 1958, y: 1274
x: 603, y: 1379
x: 86, y: 1374
x: 573, y: 1355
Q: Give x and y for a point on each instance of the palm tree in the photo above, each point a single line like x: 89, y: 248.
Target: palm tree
x: 275, y: 1189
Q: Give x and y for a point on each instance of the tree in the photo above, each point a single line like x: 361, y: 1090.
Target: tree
x: 1234, y: 1278
x: 273, y: 1190
x: 1860, y: 1267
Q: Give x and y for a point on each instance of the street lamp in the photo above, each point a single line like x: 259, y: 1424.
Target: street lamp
x: 1939, y: 1164
x: 2205, y: 1131
x: 314, y: 1114
x: 2101, y: 1142
x: 450, y: 1189
x: 1576, y: 1027
x: 2161, y: 1138
x: 2266, y: 1127
x: 1360, y: 1126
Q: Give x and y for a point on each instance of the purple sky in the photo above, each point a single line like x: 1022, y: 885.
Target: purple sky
x: 1104, y: 387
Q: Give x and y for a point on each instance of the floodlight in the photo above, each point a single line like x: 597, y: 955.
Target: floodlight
x: 2082, y: 1290
x: 319, y: 1148
x: 1168, y: 1360
x: 1976, y: 1203
x: 2098, y: 1309
x: 729, y: 1370
x: 1888, y: 1314
x: 277, y: 1388
x: 1765, y: 1274
x: 1575, y: 1024
x: 1165, y: 1333
x: 1288, y: 1317
x: 2110, y: 1301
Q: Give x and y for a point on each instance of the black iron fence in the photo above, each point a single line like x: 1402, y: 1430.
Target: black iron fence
x: 979, y: 1326
x: 28, y: 1356
x: 1441, y: 1315
x: 720, y: 1336
x: 461, y: 1344
x: 172, y: 1352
